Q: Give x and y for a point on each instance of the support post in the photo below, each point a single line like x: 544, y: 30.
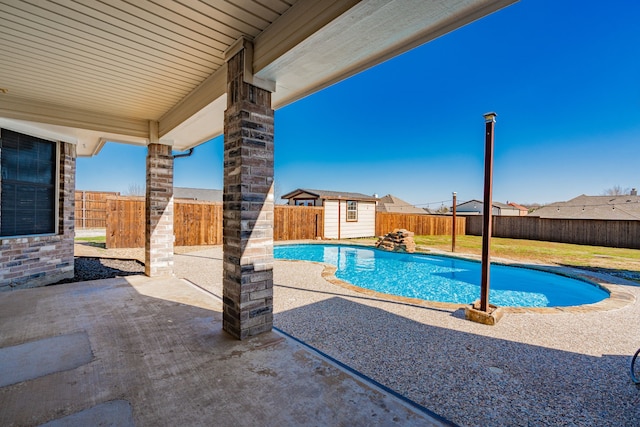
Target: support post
x: 453, y: 224
x: 481, y: 311
x: 487, y: 208
x: 158, y: 254
x: 247, y: 201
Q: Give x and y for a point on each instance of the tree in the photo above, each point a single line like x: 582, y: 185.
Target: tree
x: 135, y: 190
x: 616, y: 190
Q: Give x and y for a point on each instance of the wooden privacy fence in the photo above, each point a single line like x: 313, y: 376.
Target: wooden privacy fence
x: 200, y: 223
x: 125, y: 222
x: 197, y: 223
x: 91, y: 208
x: 298, y: 222
x: 421, y: 225
x: 593, y: 232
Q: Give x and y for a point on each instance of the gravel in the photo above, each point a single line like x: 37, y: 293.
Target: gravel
x: 103, y: 268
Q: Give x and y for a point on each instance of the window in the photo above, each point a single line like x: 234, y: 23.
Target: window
x: 352, y: 210
x: 28, y: 181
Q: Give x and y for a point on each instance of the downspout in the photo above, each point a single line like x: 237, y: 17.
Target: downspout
x: 177, y: 156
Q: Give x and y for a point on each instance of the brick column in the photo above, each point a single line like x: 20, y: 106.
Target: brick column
x: 159, y: 212
x: 248, y: 206
x: 66, y: 206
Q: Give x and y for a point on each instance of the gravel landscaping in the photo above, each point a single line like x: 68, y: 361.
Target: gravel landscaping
x: 103, y: 268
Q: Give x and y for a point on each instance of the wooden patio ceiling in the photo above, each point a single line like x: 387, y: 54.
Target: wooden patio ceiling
x: 90, y: 71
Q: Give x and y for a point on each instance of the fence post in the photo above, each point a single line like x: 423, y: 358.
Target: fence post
x: 453, y: 224
x: 84, y: 210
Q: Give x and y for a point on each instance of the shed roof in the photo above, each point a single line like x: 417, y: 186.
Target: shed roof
x: 327, y: 195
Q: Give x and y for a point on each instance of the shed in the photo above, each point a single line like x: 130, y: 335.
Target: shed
x: 346, y: 214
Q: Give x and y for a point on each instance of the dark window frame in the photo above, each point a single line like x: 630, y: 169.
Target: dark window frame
x: 28, y: 185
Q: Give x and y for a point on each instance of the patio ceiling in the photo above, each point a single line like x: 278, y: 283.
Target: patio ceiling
x: 88, y: 71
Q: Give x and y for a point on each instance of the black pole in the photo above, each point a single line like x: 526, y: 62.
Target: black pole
x: 453, y: 225
x: 490, y: 120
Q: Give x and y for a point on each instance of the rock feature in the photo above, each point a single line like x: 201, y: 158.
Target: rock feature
x: 399, y: 240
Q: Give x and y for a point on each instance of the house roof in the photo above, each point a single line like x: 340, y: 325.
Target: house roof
x: 301, y: 193
x: 393, y: 204
x: 197, y: 194
x: 494, y: 204
x: 134, y: 72
x: 517, y: 206
x: 593, y: 207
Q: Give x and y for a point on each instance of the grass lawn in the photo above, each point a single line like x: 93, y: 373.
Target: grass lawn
x: 542, y: 252
x: 97, y: 241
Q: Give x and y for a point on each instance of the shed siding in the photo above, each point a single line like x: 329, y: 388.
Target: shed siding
x: 331, y: 219
x: 365, y: 226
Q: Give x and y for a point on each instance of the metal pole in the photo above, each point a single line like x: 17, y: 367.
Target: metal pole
x: 453, y: 224
x: 490, y: 120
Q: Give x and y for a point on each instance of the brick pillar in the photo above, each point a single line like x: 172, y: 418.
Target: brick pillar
x: 248, y: 206
x: 159, y: 212
x: 66, y: 206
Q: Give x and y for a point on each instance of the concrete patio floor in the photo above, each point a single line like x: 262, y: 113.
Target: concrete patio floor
x: 151, y: 352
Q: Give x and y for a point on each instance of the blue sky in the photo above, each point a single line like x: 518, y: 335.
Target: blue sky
x: 562, y: 75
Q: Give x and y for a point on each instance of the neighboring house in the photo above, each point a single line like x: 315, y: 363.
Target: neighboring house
x: 346, y: 215
x: 393, y: 204
x: 523, y: 210
x: 204, y: 194
x: 475, y: 207
x: 593, y: 207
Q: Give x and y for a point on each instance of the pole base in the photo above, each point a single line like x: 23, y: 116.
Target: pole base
x: 491, y: 317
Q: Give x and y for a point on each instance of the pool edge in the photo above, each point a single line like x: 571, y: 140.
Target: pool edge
x: 617, y: 298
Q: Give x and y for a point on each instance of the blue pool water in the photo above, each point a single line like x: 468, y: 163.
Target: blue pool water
x: 438, y: 278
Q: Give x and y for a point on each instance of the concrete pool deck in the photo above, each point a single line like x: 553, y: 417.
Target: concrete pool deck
x: 151, y: 352
x: 565, y: 368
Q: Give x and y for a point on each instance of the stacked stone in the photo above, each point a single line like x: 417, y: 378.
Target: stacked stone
x: 399, y: 240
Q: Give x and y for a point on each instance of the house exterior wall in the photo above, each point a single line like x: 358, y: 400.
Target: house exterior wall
x: 473, y: 206
x: 336, y: 212
x: 27, y: 262
x: 476, y: 208
x: 508, y: 212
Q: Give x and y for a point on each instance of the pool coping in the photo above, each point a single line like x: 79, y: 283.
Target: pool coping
x: 617, y: 298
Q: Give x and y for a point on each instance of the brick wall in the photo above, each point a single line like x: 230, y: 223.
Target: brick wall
x: 37, y: 261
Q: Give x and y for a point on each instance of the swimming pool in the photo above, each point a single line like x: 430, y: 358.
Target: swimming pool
x: 445, y: 279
